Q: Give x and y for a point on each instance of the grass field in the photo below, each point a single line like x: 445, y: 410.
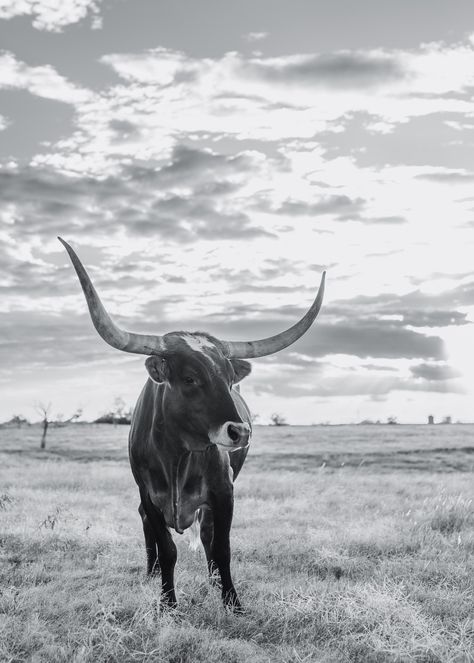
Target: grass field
x: 351, y: 543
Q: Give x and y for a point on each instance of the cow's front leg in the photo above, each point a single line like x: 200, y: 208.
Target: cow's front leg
x: 222, y: 510
x: 206, y: 521
x: 152, y: 567
x: 166, y: 549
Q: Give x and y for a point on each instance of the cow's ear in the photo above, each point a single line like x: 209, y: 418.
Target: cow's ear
x: 157, y: 368
x: 241, y: 369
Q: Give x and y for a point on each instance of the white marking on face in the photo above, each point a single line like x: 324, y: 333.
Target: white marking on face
x: 197, y: 343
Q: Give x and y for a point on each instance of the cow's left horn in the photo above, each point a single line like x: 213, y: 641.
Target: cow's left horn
x: 118, y: 338
x: 272, y: 344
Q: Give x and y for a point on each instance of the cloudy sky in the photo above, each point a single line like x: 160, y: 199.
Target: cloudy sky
x: 207, y: 160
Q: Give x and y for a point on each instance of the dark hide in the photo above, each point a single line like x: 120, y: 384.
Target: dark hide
x: 188, y: 404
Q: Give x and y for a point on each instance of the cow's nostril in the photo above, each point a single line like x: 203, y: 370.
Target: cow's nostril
x: 233, y: 433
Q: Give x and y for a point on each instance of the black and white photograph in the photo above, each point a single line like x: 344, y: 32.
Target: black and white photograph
x: 236, y: 331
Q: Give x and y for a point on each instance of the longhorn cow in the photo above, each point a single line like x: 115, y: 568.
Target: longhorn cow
x: 190, y: 433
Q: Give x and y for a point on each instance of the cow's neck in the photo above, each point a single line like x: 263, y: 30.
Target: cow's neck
x: 185, y: 470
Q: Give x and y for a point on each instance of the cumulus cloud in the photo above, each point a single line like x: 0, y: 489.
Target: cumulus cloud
x: 303, y: 378
x: 435, y: 372
x: 447, y: 177
x: 255, y: 36
x: 340, y: 386
x: 124, y: 128
x: 165, y: 93
x: 340, y: 205
x: 342, y: 69
x: 27, y: 277
x: 349, y: 75
x: 52, y: 15
x: 140, y: 200
x: 187, y: 162
x: 43, y: 81
x: 157, y: 67
x: 390, y: 220
x: 187, y: 219
x: 34, y: 340
x: 413, y: 309
x: 375, y: 339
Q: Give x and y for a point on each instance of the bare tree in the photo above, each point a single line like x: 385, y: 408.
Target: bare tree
x: 61, y: 421
x: 44, y: 411
x: 278, y: 420
x: 118, y: 410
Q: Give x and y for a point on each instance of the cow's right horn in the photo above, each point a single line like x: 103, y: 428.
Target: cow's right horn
x: 142, y: 344
x: 272, y: 344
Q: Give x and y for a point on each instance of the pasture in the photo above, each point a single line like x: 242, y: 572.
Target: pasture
x: 350, y: 543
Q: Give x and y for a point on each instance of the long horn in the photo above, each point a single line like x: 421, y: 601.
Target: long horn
x: 112, y: 334
x: 272, y: 344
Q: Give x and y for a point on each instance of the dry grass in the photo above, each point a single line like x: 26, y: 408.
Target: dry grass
x: 349, y: 544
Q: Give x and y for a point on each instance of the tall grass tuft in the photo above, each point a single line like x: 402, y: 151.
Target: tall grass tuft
x: 452, y: 513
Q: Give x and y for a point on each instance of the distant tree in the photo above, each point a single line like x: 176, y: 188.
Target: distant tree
x: 254, y: 418
x: 121, y: 415
x: 59, y: 420
x: 18, y: 420
x: 392, y: 420
x: 446, y: 420
x: 44, y: 411
x: 278, y: 420
x: 118, y: 414
x: 106, y: 418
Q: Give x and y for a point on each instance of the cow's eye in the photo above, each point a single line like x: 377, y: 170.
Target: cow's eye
x: 188, y: 379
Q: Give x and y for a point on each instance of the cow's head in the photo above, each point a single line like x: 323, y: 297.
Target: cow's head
x: 198, y: 369
x: 197, y: 398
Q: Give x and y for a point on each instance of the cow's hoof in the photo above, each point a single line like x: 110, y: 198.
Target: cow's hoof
x: 168, y: 601
x: 232, y: 604
x: 168, y: 606
x: 237, y: 609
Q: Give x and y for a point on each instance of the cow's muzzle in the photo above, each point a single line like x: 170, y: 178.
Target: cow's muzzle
x: 232, y: 435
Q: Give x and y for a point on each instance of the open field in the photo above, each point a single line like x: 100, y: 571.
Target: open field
x: 351, y: 543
